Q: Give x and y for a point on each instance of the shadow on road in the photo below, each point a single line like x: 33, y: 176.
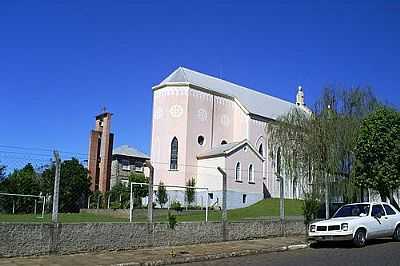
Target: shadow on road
x: 347, y: 244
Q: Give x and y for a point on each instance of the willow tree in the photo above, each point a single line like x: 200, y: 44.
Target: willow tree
x: 317, y: 146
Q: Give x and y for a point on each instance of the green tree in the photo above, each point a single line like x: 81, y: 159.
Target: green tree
x: 139, y: 191
x: 74, y: 185
x: 161, y: 194
x: 190, y: 192
x: 378, y: 152
x: 120, y: 195
x: 2, y: 172
x: 21, y: 181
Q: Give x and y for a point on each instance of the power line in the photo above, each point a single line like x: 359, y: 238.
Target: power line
x: 40, y: 149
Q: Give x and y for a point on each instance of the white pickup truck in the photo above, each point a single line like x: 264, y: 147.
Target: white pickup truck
x: 358, y: 222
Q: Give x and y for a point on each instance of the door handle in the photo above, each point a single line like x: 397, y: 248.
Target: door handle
x: 386, y: 218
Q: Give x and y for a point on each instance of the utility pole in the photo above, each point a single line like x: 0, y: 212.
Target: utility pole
x: 224, y: 210
x: 326, y: 197
x: 150, y: 197
x: 54, y: 216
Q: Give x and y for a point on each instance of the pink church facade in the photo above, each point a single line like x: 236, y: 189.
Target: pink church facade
x: 201, y: 122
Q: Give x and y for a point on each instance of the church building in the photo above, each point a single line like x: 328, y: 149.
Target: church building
x: 201, y: 122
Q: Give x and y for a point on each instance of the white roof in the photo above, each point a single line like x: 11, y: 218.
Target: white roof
x: 226, y: 149
x: 129, y: 151
x: 253, y: 101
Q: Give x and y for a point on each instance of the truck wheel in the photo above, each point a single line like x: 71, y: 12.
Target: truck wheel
x: 396, y: 234
x: 360, y: 238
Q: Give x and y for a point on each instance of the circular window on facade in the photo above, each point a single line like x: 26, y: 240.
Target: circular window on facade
x: 200, y: 140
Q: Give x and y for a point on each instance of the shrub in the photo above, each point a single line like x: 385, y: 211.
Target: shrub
x: 161, y: 194
x: 171, y: 221
x: 190, y: 191
x: 176, y: 205
x: 310, y: 207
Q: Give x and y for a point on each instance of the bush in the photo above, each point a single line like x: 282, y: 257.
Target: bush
x: 176, y: 205
x: 310, y: 207
x: 190, y: 192
x: 171, y: 221
x: 115, y: 205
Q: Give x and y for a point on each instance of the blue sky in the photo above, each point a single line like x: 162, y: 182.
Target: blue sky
x: 61, y: 61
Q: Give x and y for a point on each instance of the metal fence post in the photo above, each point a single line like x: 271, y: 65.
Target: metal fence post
x: 207, y: 205
x: 44, y: 206
x: 88, y: 202
x: 130, y: 202
x: 224, y: 210
x: 150, y: 197
x: 54, y: 216
x: 282, y: 203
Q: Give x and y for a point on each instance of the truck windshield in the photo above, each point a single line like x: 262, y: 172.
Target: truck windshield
x: 352, y: 210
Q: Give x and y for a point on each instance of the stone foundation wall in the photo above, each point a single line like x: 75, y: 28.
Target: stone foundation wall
x: 40, y: 239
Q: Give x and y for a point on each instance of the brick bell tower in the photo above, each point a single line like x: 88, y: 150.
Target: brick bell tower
x: 100, y: 153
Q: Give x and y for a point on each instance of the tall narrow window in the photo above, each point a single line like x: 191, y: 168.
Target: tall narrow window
x: 261, y: 150
x: 251, y: 174
x: 238, y: 176
x: 173, y: 165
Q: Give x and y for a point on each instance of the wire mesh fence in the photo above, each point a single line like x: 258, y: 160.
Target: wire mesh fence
x: 27, y: 193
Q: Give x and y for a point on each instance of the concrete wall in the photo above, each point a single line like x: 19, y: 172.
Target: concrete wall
x: 39, y: 239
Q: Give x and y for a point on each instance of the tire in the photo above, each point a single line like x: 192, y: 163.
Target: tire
x: 396, y: 234
x: 360, y: 238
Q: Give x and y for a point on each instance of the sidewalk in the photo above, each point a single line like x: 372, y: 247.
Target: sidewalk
x: 162, y: 255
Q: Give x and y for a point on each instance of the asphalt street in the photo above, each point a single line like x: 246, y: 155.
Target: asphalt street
x: 377, y: 253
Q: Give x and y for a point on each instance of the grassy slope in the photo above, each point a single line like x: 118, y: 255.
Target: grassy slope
x: 264, y: 209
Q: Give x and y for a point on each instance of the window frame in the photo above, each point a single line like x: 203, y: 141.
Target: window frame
x: 383, y: 209
x: 174, y: 150
x: 261, y: 149
x: 390, y: 208
x: 125, y: 165
x: 250, y: 174
x: 238, y: 172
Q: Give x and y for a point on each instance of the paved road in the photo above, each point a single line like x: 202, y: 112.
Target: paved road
x: 377, y: 253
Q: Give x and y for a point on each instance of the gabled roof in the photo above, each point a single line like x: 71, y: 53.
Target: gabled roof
x: 227, y: 149
x: 253, y: 101
x: 129, y: 151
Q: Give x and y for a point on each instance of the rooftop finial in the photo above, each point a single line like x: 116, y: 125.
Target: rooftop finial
x: 300, y: 96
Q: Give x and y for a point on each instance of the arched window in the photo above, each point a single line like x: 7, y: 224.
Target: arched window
x: 173, y: 165
x: 223, y: 142
x: 200, y: 140
x: 251, y: 174
x: 238, y: 176
x: 261, y: 149
x: 278, y: 162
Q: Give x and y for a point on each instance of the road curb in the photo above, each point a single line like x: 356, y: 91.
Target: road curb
x: 190, y: 258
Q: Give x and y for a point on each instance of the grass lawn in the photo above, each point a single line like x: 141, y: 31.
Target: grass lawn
x: 265, y: 209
